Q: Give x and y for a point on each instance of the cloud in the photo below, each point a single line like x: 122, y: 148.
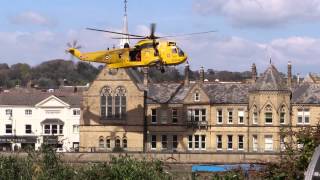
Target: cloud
x: 31, y: 18
x: 260, y: 13
x: 237, y: 54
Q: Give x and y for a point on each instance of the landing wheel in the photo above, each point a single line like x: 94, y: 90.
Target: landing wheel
x: 162, y: 69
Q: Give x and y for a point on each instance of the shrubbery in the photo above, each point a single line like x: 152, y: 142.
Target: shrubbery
x: 46, y: 164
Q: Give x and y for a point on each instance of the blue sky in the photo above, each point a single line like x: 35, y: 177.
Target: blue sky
x: 33, y: 31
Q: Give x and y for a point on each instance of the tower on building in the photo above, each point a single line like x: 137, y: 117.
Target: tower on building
x: 125, y: 38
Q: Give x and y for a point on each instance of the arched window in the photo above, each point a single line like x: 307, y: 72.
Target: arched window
x: 106, y: 102
x: 101, y: 142
x: 254, y: 115
x: 124, y: 142
x: 268, y: 114
x: 120, y: 103
x: 117, y: 143
x: 108, y: 143
x: 282, y: 115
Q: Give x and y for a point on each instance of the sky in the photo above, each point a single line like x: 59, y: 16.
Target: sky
x: 248, y: 31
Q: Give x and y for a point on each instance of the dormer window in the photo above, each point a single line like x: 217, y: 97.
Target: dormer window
x: 196, y: 96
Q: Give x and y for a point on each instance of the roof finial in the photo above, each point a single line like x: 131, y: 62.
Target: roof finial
x: 270, y: 60
x: 125, y: 7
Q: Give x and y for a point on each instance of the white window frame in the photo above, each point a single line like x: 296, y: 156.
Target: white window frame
x: 9, y: 112
x: 76, y: 112
x: 153, y: 141
x: 8, y: 129
x: 154, y: 116
x: 201, y: 116
x: 28, y: 112
x: 175, y: 141
x: 190, y: 142
x: 268, y: 143
x: 230, y: 117
x: 219, y: 142
x: 203, y: 140
x: 174, y: 115
x: 303, y: 114
x: 230, y: 142
x: 282, y: 143
x: 240, y: 114
x: 255, y: 117
x: 265, y: 117
x: 164, y: 141
x: 75, y: 127
x: 219, y: 116
x: 28, y: 129
x: 196, y: 96
x: 241, y: 142
x: 255, y: 145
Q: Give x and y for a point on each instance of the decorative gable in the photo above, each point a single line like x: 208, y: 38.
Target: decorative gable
x: 196, y: 95
x: 52, y: 101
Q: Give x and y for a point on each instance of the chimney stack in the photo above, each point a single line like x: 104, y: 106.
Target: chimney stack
x: 289, y: 80
x: 201, y: 72
x: 186, y: 74
x: 254, y: 72
x: 145, y: 76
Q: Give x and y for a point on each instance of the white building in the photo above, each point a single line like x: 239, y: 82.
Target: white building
x: 29, y: 117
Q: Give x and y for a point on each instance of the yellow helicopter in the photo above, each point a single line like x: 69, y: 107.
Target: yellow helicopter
x: 149, y: 51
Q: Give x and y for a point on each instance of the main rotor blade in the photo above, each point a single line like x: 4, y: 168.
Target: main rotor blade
x: 190, y: 34
x: 152, y: 30
x: 129, y: 38
x: 113, y: 32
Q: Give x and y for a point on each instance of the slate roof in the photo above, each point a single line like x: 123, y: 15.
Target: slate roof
x: 306, y: 93
x: 271, y: 80
x: 234, y: 93
x: 30, y: 97
x: 162, y: 92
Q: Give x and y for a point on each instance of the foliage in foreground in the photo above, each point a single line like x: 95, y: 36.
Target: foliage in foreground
x: 46, y: 164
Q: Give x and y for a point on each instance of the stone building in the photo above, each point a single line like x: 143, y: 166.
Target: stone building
x: 124, y: 111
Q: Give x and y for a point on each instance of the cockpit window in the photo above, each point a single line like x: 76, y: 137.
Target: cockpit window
x: 180, y: 52
x: 174, y: 51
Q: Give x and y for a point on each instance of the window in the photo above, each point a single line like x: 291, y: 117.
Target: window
x: 108, y: 143
x: 230, y: 116
x: 229, y: 142
x: 8, y: 128
x: 76, y: 112
x: 197, y: 96
x: 255, y: 115
x: 240, y: 142
x: 174, y: 141
x: 282, y: 143
x: 54, y: 129
x: 255, y: 143
x: 196, y: 141
x: 117, y: 143
x: 124, y: 143
x: 174, y: 115
x: 120, y: 103
x: 75, y: 128
x: 197, y: 115
x: 268, y: 114
x: 47, y: 129
x: 101, y: 142
x: 219, y: 116
x: 268, y: 143
x: 28, y: 129
x: 203, y: 142
x: 282, y: 115
x: 154, y: 115
x: 28, y: 112
x: 60, y: 129
x: 9, y: 112
x: 106, y: 102
x: 153, y: 142
x: 303, y: 116
x: 190, y: 142
x: 240, y: 117
x: 219, y: 142
x: 164, y: 141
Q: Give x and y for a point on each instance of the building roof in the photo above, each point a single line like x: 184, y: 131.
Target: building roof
x: 271, y: 80
x: 306, y: 93
x: 30, y: 97
x: 162, y: 92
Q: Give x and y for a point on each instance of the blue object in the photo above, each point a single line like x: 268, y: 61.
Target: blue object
x: 225, y: 167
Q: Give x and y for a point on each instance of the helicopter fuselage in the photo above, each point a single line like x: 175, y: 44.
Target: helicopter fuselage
x: 142, y: 54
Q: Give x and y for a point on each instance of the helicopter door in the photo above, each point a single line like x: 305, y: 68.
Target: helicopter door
x: 135, y: 55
